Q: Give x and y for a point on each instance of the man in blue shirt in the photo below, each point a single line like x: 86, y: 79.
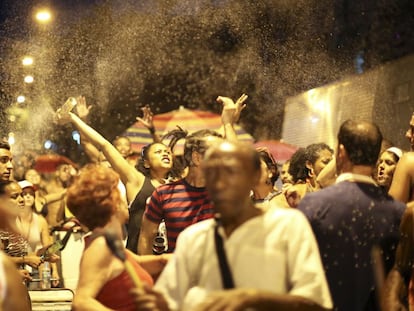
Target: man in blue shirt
x: 352, y: 216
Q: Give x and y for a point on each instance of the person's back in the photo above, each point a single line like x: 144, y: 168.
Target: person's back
x: 349, y: 219
x: 353, y: 216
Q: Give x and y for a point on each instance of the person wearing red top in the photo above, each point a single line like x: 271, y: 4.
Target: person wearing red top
x: 104, y: 283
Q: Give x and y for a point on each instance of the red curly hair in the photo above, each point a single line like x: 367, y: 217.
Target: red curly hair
x: 94, y: 195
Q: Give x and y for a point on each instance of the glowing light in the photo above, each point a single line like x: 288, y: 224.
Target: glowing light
x: 12, y: 118
x: 27, y: 61
x: 11, y: 138
x: 28, y: 79
x: 320, y: 105
x: 43, y: 16
x: 314, y: 119
x: 76, y: 137
x: 21, y: 99
x: 48, y: 144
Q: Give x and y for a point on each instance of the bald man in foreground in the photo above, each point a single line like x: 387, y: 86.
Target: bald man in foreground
x: 273, y: 259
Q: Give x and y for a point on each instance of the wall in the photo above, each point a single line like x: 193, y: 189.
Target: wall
x: 384, y: 95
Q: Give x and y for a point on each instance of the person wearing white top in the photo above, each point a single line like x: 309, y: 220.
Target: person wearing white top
x: 273, y: 257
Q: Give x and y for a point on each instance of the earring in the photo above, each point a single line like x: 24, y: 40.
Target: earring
x: 311, y: 173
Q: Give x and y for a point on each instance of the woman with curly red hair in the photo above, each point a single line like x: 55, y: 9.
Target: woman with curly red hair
x: 94, y: 198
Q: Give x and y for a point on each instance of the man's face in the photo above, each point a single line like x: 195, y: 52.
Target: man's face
x: 410, y: 133
x: 207, y: 142
x: 229, y: 178
x: 284, y: 174
x: 33, y: 176
x: 6, y: 165
x: 123, y: 145
x: 65, y: 173
x: 325, y: 156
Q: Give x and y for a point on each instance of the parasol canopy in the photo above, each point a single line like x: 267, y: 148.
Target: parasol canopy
x: 187, y: 119
x: 48, y: 163
x: 280, y: 150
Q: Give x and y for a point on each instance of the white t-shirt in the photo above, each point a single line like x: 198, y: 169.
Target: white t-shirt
x: 274, y: 252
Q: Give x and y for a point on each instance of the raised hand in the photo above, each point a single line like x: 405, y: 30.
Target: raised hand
x: 147, y: 118
x: 82, y: 109
x: 240, y: 105
x: 62, y: 115
x: 231, y: 110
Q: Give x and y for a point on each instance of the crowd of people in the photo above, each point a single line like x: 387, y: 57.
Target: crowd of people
x: 209, y: 229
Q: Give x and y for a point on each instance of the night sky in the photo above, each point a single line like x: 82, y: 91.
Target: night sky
x: 124, y: 54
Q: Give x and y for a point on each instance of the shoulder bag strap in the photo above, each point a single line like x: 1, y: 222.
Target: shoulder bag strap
x: 226, y: 276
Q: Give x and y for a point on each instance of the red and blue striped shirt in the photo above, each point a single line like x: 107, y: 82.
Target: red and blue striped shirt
x: 180, y: 205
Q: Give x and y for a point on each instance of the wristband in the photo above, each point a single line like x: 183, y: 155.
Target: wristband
x: 151, y: 130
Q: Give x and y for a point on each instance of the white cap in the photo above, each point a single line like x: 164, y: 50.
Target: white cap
x: 25, y: 184
x: 397, y: 151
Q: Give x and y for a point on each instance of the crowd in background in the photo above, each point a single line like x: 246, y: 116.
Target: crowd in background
x: 209, y: 229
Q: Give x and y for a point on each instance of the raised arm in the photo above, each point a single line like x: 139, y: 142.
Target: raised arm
x: 82, y: 110
x: 147, y: 121
x: 132, y: 179
x: 327, y: 175
x: 230, y: 115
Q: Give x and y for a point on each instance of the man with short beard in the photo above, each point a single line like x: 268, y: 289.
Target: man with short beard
x: 6, y: 166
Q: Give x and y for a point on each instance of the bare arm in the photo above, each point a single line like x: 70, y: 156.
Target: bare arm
x: 230, y: 115
x: 394, y: 294
x: 17, y: 296
x: 147, y: 121
x: 95, y: 271
x: 31, y: 259
x: 403, y: 178
x: 153, y: 264
x: 132, y: 179
x: 146, y: 237
x: 241, y: 299
x: 327, y: 175
x: 83, y: 110
x: 395, y: 288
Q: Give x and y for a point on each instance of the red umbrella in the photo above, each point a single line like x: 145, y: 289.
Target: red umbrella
x: 187, y: 119
x: 47, y: 163
x: 280, y: 150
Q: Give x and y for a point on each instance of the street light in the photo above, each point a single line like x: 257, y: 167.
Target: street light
x: 27, y: 61
x: 21, y: 99
x: 28, y: 79
x: 43, y: 16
